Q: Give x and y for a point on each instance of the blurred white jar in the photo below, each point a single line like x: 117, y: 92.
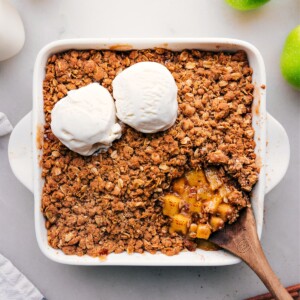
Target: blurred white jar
x: 12, y: 34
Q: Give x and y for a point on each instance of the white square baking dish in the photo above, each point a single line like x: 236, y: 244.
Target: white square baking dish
x: 199, y: 257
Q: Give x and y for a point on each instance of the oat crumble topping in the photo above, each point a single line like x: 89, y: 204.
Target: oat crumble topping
x: 111, y: 202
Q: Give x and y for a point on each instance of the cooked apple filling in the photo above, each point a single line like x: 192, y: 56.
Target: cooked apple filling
x: 201, y: 202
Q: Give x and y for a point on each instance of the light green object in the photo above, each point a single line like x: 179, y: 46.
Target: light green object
x: 246, y: 4
x: 290, y: 58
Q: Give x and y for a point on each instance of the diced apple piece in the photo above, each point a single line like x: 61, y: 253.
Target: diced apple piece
x: 224, y: 190
x: 224, y: 211
x: 196, y: 207
x: 212, y: 205
x: 216, y: 223
x: 213, y: 178
x: 179, y: 186
x: 180, y: 223
x: 193, y: 231
x: 203, y: 231
x: 171, y: 205
x: 196, y: 178
x: 204, y: 193
x: 193, y: 227
x: 190, y: 195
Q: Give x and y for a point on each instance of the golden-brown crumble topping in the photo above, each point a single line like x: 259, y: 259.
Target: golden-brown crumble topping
x: 112, y: 202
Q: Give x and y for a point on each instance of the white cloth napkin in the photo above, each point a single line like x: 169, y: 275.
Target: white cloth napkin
x: 14, y: 285
x: 5, y: 126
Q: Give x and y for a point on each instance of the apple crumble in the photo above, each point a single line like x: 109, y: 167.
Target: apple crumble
x: 149, y: 192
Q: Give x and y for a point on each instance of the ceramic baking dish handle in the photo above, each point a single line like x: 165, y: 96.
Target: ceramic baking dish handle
x: 278, y: 153
x: 20, y: 152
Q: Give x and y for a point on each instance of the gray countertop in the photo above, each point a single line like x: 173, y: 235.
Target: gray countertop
x: 46, y: 21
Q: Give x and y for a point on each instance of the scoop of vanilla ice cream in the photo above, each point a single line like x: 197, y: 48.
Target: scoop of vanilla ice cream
x: 146, y: 97
x: 85, y: 120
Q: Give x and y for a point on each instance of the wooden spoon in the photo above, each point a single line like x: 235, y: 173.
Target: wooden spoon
x: 240, y: 238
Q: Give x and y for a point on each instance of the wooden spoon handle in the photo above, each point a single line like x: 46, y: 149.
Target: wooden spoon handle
x: 259, y: 264
x: 248, y: 247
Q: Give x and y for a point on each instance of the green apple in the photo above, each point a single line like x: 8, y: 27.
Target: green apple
x: 290, y: 58
x: 246, y: 4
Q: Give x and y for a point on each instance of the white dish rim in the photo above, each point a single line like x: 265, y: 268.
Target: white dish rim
x: 199, y: 257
